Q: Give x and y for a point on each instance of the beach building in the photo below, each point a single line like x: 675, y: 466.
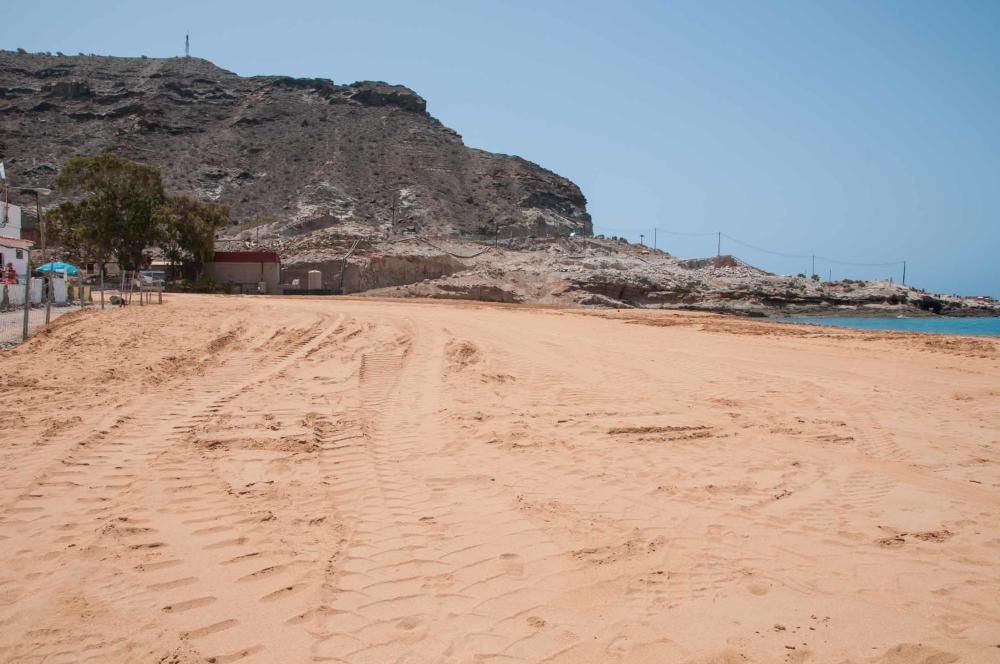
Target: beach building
x: 13, y: 250
x: 112, y: 270
x: 252, y: 271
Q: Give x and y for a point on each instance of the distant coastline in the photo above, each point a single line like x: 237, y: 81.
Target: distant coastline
x: 977, y: 326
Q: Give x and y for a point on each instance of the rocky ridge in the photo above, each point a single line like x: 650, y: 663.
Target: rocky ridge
x: 592, y: 272
x: 290, y: 156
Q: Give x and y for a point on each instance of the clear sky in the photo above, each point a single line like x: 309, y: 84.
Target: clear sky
x: 859, y: 131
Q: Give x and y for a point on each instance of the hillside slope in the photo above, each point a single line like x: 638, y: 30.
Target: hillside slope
x: 306, y: 154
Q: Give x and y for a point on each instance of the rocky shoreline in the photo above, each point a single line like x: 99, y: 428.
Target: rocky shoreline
x: 592, y: 273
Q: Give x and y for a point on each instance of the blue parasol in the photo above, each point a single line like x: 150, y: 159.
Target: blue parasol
x: 58, y: 267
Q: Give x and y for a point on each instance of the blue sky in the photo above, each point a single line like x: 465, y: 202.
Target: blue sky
x: 859, y: 131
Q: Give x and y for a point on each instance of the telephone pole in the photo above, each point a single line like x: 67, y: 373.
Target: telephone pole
x: 654, y: 237
x: 718, y: 245
x: 904, y: 273
x: 641, y: 239
x: 814, y: 267
x: 38, y: 192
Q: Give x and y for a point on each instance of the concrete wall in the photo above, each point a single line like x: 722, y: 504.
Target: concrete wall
x: 246, y: 273
x: 15, y: 292
x: 378, y: 272
x: 10, y: 224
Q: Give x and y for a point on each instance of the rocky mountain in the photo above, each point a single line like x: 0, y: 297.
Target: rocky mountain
x: 290, y: 156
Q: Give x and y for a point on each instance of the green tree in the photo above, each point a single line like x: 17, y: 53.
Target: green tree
x: 66, y: 229
x: 187, y: 229
x: 114, y: 216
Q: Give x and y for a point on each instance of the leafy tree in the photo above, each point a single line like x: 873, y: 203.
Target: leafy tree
x: 187, y: 229
x: 115, y: 214
x: 66, y: 229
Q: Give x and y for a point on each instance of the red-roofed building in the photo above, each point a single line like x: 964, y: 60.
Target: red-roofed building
x: 248, y: 269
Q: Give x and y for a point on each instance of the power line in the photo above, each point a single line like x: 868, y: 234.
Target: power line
x: 730, y: 238
x: 836, y: 262
x: 765, y: 251
x: 686, y: 234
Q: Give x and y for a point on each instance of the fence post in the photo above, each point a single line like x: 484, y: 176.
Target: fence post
x: 47, y: 290
x: 27, y: 294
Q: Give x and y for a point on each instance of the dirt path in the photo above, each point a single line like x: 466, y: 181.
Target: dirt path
x: 284, y: 480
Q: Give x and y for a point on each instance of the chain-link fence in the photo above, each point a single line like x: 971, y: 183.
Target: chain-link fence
x: 28, y: 304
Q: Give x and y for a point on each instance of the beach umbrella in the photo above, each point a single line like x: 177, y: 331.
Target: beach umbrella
x: 58, y: 267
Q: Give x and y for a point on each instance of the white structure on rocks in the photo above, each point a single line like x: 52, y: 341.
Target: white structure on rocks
x: 10, y: 221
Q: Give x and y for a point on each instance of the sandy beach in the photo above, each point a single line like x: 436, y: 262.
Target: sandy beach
x: 346, y: 480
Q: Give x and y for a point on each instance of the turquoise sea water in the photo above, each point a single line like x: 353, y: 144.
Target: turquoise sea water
x: 978, y: 327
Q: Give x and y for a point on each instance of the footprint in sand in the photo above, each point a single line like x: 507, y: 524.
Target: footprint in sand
x: 408, y: 623
x: 511, y: 563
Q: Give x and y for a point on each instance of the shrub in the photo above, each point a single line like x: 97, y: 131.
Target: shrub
x: 205, y: 284
x: 928, y: 303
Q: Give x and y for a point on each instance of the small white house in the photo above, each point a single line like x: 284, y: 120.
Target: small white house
x: 13, y: 250
x: 10, y: 221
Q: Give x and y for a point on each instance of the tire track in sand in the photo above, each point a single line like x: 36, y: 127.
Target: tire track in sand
x: 424, y: 574
x: 133, y: 475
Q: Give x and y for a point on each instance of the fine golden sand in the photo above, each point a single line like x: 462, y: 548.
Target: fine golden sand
x: 291, y: 480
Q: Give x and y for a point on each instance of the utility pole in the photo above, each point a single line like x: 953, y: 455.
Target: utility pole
x: 187, y: 46
x: 38, y: 191
x: 642, y: 239
x: 718, y: 246
x: 46, y: 293
x: 830, y: 276
x: 41, y: 232
x: 904, y: 273
x: 654, y: 238
x: 814, y: 267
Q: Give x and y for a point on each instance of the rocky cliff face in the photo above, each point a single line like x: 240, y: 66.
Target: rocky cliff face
x: 292, y: 156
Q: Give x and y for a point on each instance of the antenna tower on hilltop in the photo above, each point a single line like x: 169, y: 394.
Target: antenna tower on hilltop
x: 187, y: 46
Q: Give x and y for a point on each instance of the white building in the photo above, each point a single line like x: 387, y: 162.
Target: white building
x: 13, y: 250
x: 10, y: 221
